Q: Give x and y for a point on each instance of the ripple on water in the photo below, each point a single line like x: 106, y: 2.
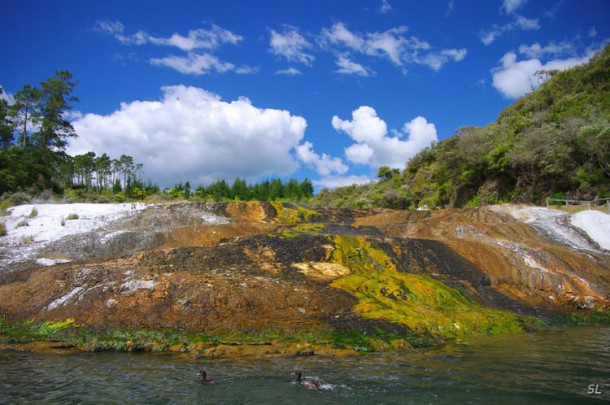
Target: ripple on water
x: 550, y: 367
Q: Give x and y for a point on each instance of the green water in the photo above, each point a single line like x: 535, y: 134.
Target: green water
x: 554, y: 367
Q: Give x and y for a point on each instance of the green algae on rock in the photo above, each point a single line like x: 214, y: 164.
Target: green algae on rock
x: 421, y: 303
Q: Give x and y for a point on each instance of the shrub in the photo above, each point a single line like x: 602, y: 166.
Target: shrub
x: 19, y: 198
x: 33, y: 213
x: 2, y: 229
x: 4, y: 206
x: 72, y: 216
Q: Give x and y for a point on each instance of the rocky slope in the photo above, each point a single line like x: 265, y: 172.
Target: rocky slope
x: 272, y: 278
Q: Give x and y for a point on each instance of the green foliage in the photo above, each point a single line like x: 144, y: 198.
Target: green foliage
x: 274, y: 190
x: 599, y: 316
x: 387, y: 193
x: 56, y: 98
x: 3, y: 231
x: 33, y: 213
x: 555, y: 139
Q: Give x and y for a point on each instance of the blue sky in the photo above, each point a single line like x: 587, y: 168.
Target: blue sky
x: 329, y: 90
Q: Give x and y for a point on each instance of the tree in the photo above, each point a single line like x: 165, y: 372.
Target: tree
x: 127, y: 168
x: 25, y: 112
x: 239, y: 189
x: 292, y: 190
x: 103, y: 169
x: 306, y: 188
x: 276, y: 189
x: 56, y: 98
x: 187, y: 190
x: 384, y: 173
x: 84, y: 166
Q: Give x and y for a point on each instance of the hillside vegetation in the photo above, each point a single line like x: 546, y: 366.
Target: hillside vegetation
x: 553, y: 142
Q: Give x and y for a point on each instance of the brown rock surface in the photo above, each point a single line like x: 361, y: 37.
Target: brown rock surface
x: 243, y: 271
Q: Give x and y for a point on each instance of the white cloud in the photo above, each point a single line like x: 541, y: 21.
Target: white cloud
x: 385, y: 7
x: 536, y: 50
x: 247, y: 70
x: 487, y: 37
x: 518, y: 22
x: 194, y: 63
x: 510, y: 6
x: 437, y: 60
x: 191, y: 134
x: 324, y: 165
x: 360, y: 153
x: 291, y: 71
x: 388, y: 44
x: 199, y: 39
x: 349, y: 67
x: 339, y: 35
x: 391, y: 44
x: 527, y: 24
x: 450, y: 6
x: 10, y: 98
x: 195, y: 39
x: 341, y: 181
x: 515, y: 78
x: 592, y: 32
x: 374, y: 147
x: 291, y: 45
x: 113, y: 28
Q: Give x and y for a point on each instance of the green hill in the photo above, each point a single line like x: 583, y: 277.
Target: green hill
x: 553, y: 142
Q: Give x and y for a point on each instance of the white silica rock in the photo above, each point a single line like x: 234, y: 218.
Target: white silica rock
x: 596, y: 224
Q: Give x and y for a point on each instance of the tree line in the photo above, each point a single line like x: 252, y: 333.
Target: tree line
x: 266, y: 190
x: 34, y: 132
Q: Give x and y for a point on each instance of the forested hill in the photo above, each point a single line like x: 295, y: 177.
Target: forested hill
x: 553, y: 142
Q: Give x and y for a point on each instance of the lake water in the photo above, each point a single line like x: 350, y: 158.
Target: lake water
x: 554, y: 367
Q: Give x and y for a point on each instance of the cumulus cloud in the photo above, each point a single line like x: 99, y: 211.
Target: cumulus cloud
x: 392, y: 45
x: 291, y: 45
x: 374, y: 147
x: 324, y: 165
x: 515, y: 78
x: 191, y: 134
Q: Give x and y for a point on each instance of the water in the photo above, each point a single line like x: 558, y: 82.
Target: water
x: 567, y: 366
